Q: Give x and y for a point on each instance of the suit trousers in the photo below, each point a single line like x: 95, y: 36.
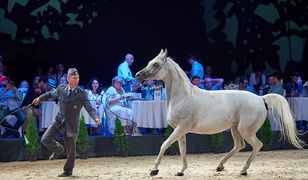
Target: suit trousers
x: 48, y: 140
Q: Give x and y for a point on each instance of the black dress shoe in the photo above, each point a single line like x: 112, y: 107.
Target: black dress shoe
x: 55, y: 155
x: 65, y: 174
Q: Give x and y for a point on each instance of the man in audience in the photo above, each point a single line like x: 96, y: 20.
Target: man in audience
x: 294, y: 87
x: 213, y: 84
x: 23, y: 88
x: 195, y: 80
x: 275, y: 85
x: 33, y: 93
x: 124, y: 72
x: 244, y: 85
x: 60, y: 73
x: 196, y: 67
x: 208, y: 72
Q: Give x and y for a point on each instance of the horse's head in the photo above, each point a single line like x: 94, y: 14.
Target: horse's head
x: 155, y: 68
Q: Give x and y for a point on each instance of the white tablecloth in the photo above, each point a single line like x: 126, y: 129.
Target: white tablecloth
x: 299, y: 107
x: 50, y: 110
x: 150, y: 114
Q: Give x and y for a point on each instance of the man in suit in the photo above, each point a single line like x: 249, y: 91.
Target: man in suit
x: 71, y: 99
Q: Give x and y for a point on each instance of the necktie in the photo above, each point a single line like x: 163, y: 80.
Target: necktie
x: 70, y: 92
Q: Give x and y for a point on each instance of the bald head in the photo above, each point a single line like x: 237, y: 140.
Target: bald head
x: 129, y: 58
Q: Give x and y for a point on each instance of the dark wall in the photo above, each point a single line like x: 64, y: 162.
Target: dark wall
x: 95, y: 35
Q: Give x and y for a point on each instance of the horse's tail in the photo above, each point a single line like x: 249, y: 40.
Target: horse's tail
x: 278, y: 104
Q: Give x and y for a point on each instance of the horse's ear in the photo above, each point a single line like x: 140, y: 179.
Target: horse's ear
x: 164, y: 55
x: 161, y: 52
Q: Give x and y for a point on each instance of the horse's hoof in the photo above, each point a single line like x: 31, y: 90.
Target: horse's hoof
x: 154, y: 172
x: 218, y: 169
x: 179, y: 174
x: 244, y: 173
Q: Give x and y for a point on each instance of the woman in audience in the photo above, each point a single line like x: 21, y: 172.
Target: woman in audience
x: 116, y: 106
x: 95, y: 95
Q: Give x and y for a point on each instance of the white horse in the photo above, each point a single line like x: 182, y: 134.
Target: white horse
x: 191, y: 109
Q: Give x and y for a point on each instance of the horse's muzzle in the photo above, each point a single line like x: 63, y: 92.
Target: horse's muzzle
x: 141, y: 76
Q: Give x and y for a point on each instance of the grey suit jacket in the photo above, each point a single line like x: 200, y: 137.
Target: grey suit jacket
x: 69, y: 108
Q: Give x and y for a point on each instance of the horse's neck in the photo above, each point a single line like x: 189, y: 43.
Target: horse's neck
x: 177, y: 84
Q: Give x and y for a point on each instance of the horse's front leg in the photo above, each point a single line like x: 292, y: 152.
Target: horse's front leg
x: 176, y: 134
x: 182, y: 145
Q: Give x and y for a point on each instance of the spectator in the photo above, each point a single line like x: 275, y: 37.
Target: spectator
x: 257, y: 80
x: 244, y: 85
x: 60, y: 73
x: 23, y: 88
x: 196, y: 67
x: 33, y: 93
x: 208, y: 72
x: 124, y: 71
x: 213, y: 84
x: 2, y: 69
x: 294, y: 87
x: 95, y: 95
x: 195, y: 80
x: 116, y: 106
x: 49, y: 72
x: 63, y: 80
x: 9, y: 101
x: 275, y: 85
x: 135, y: 86
x: 51, y: 85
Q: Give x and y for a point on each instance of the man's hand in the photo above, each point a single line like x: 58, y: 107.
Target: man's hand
x: 98, y: 121
x: 36, y: 101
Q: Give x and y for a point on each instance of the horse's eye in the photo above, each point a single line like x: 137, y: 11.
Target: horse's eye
x: 156, y: 64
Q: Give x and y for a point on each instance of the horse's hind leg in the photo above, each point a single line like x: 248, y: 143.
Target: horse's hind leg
x: 239, y: 144
x: 176, y: 134
x: 182, y: 145
x: 256, y: 145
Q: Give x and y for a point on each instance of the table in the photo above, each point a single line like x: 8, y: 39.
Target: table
x: 150, y: 114
x: 50, y: 109
x: 299, y: 107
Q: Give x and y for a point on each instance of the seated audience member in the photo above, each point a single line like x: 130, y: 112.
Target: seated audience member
x: 135, y: 86
x: 95, y: 96
x: 51, y: 85
x: 147, y: 91
x: 35, y: 81
x: 49, y: 72
x: 195, y: 80
x: 60, y: 73
x: 208, y: 72
x: 257, y: 80
x: 116, y: 106
x: 244, y: 85
x: 63, y: 80
x: 33, y: 93
x: 213, y: 84
x: 9, y: 103
x: 294, y: 87
x: 161, y: 84
x: 23, y: 88
x: 305, y: 89
x: 275, y: 86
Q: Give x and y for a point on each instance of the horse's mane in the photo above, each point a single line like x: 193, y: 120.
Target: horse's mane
x: 181, y: 74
